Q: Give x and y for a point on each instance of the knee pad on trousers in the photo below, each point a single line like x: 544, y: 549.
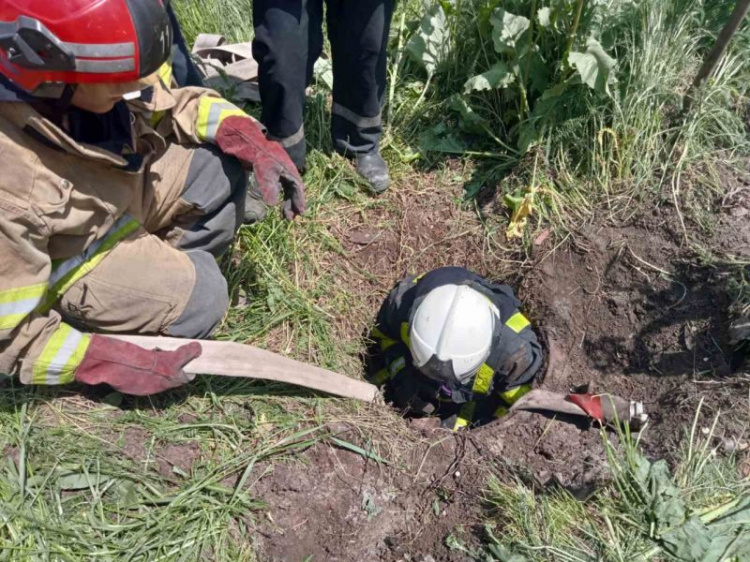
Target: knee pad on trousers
x: 208, y: 302
x: 217, y: 186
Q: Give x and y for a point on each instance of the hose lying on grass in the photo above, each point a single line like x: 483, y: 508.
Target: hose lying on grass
x: 231, y: 359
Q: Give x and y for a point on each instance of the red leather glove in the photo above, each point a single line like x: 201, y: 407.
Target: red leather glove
x: 244, y: 139
x: 130, y: 369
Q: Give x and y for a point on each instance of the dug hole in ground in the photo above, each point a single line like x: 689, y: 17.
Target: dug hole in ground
x: 624, y: 306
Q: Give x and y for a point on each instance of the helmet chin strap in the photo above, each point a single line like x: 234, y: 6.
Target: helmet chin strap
x: 66, y: 99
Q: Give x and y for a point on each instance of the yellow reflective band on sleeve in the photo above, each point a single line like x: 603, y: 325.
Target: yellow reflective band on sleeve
x: 418, y: 278
x: 405, y: 333
x: 517, y: 322
x: 17, y: 303
x: 512, y: 395
x: 384, y: 341
x: 60, y: 357
x: 397, y: 366
x: 465, y: 415
x: 483, y: 380
x: 381, y: 376
x: 500, y: 411
x: 67, y: 272
x: 211, y: 112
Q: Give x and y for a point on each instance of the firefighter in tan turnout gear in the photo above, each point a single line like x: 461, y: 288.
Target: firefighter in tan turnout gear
x: 117, y: 193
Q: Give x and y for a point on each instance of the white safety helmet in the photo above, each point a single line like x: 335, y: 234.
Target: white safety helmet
x: 451, y: 333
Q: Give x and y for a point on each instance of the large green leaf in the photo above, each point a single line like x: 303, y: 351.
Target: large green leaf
x: 594, y: 66
x: 429, y: 43
x: 507, y: 30
x: 667, y: 506
x: 499, y: 76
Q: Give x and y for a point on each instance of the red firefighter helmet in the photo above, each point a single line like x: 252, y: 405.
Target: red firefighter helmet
x: 46, y: 44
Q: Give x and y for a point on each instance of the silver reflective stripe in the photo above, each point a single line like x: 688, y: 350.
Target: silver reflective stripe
x: 397, y: 366
x: 105, y: 66
x: 102, y: 50
x: 352, y: 117
x: 70, y: 264
x: 19, y: 307
x: 213, y: 118
x: 286, y: 142
x: 66, y: 351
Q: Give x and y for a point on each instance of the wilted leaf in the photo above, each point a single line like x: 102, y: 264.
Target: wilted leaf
x: 594, y: 66
x: 667, y: 505
x: 689, y: 542
x: 469, y: 120
x: 543, y: 15
x: 429, y: 43
x: 496, y: 77
x: 507, y: 30
x: 80, y: 481
x: 521, y: 208
x: 724, y: 539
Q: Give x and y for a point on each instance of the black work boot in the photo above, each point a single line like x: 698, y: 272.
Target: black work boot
x: 373, y: 168
x: 255, y: 208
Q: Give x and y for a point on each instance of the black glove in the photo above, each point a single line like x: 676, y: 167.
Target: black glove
x: 411, y: 390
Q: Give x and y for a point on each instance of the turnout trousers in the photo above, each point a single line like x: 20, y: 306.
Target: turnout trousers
x: 163, y: 277
x: 288, y: 41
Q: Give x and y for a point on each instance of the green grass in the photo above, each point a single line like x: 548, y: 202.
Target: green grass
x: 645, y: 514
x: 85, y: 479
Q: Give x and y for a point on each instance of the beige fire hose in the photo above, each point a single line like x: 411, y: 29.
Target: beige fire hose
x: 232, y: 359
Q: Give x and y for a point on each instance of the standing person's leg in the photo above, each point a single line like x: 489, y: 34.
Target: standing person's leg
x: 288, y: 40
x: 359, y: 38
x: 183, y: 69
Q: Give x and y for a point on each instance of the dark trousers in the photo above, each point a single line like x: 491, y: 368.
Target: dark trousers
x: 288, y: 41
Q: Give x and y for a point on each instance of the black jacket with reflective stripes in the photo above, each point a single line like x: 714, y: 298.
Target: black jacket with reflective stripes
x: 514, y: 360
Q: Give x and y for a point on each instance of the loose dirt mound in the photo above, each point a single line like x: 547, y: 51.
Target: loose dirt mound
x: 338, y: 505
x: 628, y: 312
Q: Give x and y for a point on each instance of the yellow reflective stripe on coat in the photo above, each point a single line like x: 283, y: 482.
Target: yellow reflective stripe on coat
x: 465, y: 415
x: 405, y: 333
x: 67, y: 272
x: 517, y: 322
x: 61, y: 356
x: 17, y: 303
x: 483, y: 380
x: 384, y: 341
x: 381, y: 376
x: 512, y: 395
x: 211, y: 112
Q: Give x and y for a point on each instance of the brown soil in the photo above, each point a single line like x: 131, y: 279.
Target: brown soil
x: 334, y: 504
x: 625, y: 310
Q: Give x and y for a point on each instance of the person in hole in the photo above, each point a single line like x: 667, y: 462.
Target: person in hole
x: 451, y: 343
